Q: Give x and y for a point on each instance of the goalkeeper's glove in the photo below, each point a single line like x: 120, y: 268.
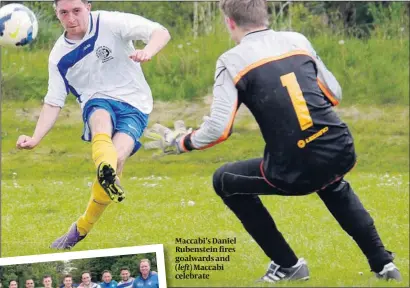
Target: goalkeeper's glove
x: 166, y: 139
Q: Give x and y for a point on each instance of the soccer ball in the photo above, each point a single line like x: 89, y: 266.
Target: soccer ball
x: 18, y: 25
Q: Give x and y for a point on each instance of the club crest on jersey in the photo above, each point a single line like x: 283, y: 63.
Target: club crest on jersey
x: 104, y: 53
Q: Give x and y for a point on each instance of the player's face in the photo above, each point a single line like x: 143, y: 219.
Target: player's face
x: 30, y: 283
x: 74, y: 16
x: 68, y: 282
x: 125, y: 275
x: 86, y: 278
x: 13, y: 284
x: 107, y: 277
x: 144, y: 268
x: 47, y: 282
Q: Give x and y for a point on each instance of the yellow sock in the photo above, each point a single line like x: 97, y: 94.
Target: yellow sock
x: 104, y: 150
x: 98, y: 202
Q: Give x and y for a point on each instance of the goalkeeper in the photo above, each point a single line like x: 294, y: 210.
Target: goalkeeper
x: 289, y: 91
x: 96, y: 61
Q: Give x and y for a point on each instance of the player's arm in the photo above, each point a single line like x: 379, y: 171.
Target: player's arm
x: 218, y: 126
x: 46, y: 121
x: 134, y: 27
x: 53, y: 102
x: 159, y: 38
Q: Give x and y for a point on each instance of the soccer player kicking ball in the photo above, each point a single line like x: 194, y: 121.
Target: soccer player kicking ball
x: 289, y: 91
x: 96, y: 61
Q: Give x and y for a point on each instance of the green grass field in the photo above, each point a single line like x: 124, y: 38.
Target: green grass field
x: 45, y: 190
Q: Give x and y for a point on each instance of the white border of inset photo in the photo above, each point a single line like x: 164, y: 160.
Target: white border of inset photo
x: 158, y: 249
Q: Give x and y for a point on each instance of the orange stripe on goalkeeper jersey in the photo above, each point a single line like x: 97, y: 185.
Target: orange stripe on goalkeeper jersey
x: 267, y: 60
x: 327, y: 93
x: 226, y: 131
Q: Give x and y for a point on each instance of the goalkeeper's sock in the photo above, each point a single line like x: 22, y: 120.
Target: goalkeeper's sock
x: 98, y: 202
x: 103, y: 150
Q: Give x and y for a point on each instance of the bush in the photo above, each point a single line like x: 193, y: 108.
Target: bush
x: 371, y: 70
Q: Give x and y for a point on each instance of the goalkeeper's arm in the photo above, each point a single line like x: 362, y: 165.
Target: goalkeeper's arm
x: 46, y: 121
x: 326, y: 80
x: 218, y: 126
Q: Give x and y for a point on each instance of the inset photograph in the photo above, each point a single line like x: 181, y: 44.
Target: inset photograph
x: 139, y: 266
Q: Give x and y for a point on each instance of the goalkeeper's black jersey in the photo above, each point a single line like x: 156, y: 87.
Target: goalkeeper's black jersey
x: 289, y: 91
x: 307, y: 145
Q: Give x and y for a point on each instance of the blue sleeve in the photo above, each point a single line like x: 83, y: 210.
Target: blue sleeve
x: 156, y: 280
x: 134, y: 283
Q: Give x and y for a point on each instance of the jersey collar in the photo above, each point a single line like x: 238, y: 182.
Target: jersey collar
x: 257, y: 31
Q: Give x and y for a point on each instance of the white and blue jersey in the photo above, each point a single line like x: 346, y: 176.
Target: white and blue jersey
x: 127, y: 284
x: 150, y: 282
x: 98, y: 66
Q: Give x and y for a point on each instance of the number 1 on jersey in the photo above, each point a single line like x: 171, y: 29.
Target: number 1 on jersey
x: 302, y: 112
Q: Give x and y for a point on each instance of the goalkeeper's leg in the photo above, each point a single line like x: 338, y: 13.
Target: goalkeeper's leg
x: 239, y: 184
x: 348, y: 210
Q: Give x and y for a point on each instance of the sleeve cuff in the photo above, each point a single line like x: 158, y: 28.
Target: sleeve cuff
x: 186, y: 144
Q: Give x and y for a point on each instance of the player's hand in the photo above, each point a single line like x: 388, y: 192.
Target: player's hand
x: 140, y: 56
x: 26, y: 142
x: 166, y: 139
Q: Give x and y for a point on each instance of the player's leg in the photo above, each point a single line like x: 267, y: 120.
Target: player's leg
x: 99, y: 200
x: 104, y: 153
x: 103, y: 149
x: 124, y: 145
x: 96, y: 206
x: 239, y: 184
x: 348, y: 210
x: 129, y: 128
x: 98, y: 119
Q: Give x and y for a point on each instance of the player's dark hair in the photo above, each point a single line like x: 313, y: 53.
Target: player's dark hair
x: 88, y: 272
x: 125, y: 268
x: 84, y: 1
x: 12, y: 281
x: 106, y: 271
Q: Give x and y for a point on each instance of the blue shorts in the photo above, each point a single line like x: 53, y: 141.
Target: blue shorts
x: 125, y: 119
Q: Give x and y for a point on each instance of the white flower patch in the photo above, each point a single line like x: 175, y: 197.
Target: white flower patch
x: 152, y: 177
x: 145, y: 184
x: 390, y: 180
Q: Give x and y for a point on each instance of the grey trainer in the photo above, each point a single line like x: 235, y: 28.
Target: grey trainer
x: 389, y: 272
x: 275, y: 273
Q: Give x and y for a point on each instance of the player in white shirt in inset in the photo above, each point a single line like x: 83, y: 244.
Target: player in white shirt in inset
x: 96, y: 61
x: 126, y: 279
